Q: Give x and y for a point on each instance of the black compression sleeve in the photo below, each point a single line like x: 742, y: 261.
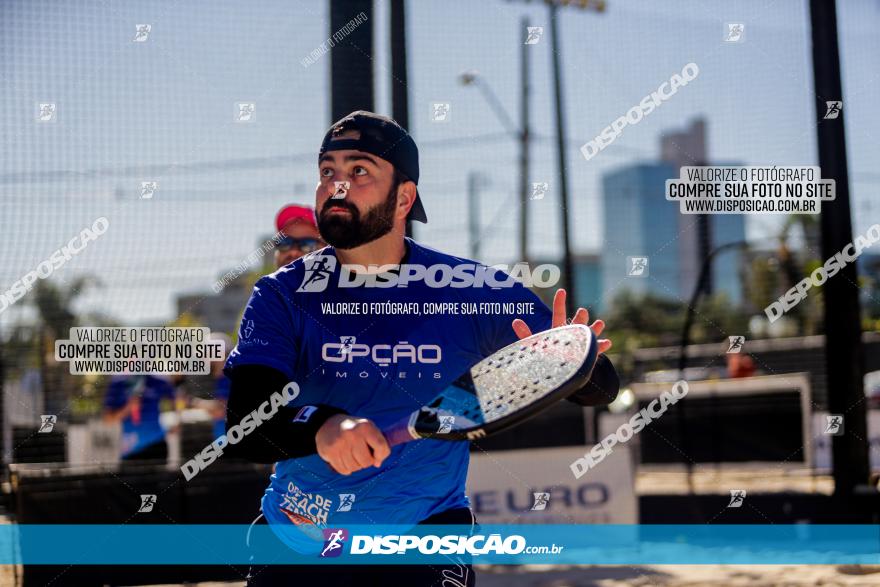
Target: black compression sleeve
x: 602, y: 387
x: 279, y: 438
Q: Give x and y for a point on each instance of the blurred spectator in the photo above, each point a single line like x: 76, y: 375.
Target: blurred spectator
x: 300, y: 234
x: 216, y: 406
x: 135, y: 400
x: 739, y: 365
x: 221, y: 395
x: 872, y: 389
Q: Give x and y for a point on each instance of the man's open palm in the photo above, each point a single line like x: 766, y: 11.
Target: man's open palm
x: 580, y: 317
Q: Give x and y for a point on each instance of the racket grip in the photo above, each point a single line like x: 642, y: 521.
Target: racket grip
x: 398, y: 433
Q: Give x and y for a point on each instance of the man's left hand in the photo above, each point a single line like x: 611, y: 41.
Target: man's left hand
x: 559, y: 319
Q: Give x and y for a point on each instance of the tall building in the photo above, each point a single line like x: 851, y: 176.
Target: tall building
x: 640, y: 222
x: 687, y: 147
x: 588, y: 282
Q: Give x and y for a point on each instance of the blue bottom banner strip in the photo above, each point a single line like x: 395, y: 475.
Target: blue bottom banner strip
x: 487, y: 544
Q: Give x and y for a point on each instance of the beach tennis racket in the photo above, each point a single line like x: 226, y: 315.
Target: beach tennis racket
x: 506, y: 388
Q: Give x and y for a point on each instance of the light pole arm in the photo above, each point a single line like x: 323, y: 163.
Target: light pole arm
x: 498, y: 108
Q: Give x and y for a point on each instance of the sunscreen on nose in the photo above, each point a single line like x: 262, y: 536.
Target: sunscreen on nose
x: 341, y: 190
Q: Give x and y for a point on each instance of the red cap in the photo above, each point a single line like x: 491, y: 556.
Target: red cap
x: 293, y: 212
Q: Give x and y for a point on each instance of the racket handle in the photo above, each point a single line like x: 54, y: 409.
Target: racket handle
x: 399, y: 433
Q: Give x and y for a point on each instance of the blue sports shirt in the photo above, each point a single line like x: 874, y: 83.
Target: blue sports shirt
x: 376, y: 365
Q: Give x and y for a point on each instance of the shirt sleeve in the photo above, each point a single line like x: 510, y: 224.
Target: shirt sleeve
x: 602, y: 388
x: 267, y: 334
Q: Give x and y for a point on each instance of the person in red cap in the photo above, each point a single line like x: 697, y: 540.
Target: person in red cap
x: 299, y: 234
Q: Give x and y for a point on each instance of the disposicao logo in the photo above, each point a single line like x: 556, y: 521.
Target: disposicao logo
x: 334, y: 539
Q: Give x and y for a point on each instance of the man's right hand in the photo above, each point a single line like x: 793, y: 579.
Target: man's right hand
x: 350, y: 444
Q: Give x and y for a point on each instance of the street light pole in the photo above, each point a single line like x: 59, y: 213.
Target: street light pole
x: 472, y: 78
x: 473, y: 186
x: 524, y: 136
x: 567, y: 263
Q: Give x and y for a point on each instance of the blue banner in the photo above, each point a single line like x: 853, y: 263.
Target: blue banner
x: 487, y: 544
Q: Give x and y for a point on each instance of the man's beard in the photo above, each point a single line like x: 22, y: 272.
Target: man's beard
x: 354, y: 231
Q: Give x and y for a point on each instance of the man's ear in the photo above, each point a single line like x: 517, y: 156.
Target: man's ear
x: 406, y: 197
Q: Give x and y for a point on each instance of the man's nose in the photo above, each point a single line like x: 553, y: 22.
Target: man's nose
x: 330, y: 189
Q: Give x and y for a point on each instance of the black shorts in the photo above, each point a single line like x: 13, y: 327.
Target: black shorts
x: 458, y: 574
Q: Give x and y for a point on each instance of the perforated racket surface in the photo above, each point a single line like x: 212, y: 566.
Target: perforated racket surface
x: 505, y: 388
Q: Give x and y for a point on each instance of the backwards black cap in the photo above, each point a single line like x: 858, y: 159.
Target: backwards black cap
x: 383, y: 137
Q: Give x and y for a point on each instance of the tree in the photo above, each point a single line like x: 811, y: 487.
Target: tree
x: 648, y: 320
x: 55, y: 315
x: 808, y: 313
x: 640, y: 321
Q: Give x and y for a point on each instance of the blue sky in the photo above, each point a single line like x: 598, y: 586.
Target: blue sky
x: 163, y: 110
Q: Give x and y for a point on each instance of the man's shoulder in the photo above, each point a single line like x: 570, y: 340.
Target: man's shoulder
x: 421, y: 254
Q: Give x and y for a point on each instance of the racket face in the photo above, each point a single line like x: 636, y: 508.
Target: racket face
x: 510, y: 385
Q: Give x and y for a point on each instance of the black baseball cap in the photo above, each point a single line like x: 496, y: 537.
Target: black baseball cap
x: 383, y: 137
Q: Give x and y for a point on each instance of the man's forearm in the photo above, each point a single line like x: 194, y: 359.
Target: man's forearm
x: 280, y: 437
x: 602, y: 388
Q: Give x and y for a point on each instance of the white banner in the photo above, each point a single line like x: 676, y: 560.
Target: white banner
x: 502, y: 486
x: 823, y: 428
x: 93, y: 443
